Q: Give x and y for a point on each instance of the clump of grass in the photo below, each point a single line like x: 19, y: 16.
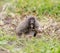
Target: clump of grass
x: 41, y: 46
x: 40, y: 7
x: 33, y: 45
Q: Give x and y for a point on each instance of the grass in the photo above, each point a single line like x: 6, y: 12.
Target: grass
x: 39, y: 8
x: 14, y: 44
x: 33, y: 45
